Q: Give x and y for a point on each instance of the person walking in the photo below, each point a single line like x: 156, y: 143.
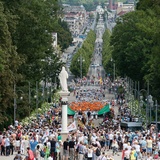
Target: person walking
x: 71, y: 149
x: 89, y: 153
x: 66, y: 149
x: 3, y: 146
x: 30, y: 154
x: 80, y: 151
x: 37, y: 153
x: 53, y: 148
x: 7, y: 146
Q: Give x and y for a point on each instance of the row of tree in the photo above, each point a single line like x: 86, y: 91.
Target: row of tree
x: 107, y: 54
x: 83, y: 55
x: 26, y: 52
x: 136, y: 45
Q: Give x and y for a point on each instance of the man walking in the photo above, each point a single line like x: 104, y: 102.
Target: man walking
x: 66, y: 149
x: 71, y: 148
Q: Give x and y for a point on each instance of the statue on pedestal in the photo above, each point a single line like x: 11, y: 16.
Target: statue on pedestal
x: 63, y: 76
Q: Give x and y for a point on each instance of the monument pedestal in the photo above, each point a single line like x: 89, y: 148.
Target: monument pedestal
x: 64, y: 131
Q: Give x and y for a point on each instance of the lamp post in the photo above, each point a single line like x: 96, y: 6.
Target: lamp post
x: 156, y: 105
x: 36, y: 96
x: 49, y: 92
x: 148, y: 99
x: 114, y: 69
x: 81, y: 60
x: 150, y: 107
x: 141, y: 104
x: 15, y: 103
x: 15, y: 100
x: 36, y: 99
x: 29, y: 97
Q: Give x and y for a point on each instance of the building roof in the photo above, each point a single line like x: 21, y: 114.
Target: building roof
x: 74, y: 9
x: 122, y: 13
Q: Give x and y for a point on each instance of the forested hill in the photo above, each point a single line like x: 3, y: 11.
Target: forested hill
x: 88, y: 4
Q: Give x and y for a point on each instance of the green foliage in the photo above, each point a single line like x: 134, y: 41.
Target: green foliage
x: 9, y: 63
x: 86, y: 52
x: 136, y: 45
x: 148, y: 4
x: 106, y: 53
x: 132, y: 44
x: 26, y: 52
x: 64, y: 35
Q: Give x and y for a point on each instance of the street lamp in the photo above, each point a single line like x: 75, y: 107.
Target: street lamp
x: 36, y: 96
x: 149, y: 106
x: 15, y: 100
x: 156, y: 105
x: 114, y: 69
x: 150, y: 101
x: 81, y: 60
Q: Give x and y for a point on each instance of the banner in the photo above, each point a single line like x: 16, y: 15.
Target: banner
x: 46, y: 133
x: 72, y: 126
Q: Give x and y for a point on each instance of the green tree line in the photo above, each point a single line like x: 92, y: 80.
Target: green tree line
x: 26, y: 52
x: 136, y: 45
x: 107, y: 53
x: 85, y: 52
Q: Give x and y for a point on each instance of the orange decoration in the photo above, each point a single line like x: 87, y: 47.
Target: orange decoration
x: 84, y: 106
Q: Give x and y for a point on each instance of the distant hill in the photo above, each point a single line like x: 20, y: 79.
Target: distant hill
x: 88, y: 1
x: 88, y: 4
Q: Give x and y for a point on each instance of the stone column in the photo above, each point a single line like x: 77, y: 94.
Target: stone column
x: 64, y: 131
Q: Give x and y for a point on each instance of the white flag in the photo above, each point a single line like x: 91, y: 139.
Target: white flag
x: 46, y: 133
x: 72, y: 126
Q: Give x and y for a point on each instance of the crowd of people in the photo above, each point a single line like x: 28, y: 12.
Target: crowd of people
x: 41, y: 139
x: 90, y: 94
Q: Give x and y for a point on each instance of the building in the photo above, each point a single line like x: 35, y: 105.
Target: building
x: 110, y: 4
x: 124, y: 8
x: 75, y: 16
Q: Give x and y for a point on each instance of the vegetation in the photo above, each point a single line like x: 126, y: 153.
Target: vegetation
x: 136, y: 44
x: 107, y: 54
x: 85, y: 52
x: 26, y: 52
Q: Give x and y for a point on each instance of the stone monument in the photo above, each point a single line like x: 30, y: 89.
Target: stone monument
x: 63, y: 76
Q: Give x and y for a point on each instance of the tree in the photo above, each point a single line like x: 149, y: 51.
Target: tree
x: 26, y: 41
x: 135, y: 42
x: 132, y: 43
x: 86, y: 53
x: 107, y: 53
x: 9, y: 63
x: 64, y: 35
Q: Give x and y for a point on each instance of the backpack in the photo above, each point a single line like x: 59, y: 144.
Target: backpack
x: 98, y: 152
x: 80, y: 149
x: 135, y: 154
x: 42, y: 153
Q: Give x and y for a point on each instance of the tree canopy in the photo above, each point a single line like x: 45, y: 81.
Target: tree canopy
x: 26, y: 51
x: 85, y: 52
x: 135, y: 41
